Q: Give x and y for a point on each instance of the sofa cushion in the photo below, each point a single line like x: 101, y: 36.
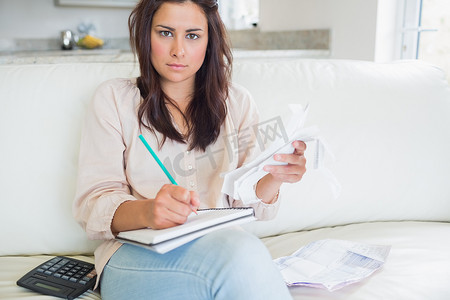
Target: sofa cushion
x: 40, y: 124
x: 416, y: 268
x: 387, y: 126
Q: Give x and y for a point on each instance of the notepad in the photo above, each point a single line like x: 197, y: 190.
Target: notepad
x: 207, y: 220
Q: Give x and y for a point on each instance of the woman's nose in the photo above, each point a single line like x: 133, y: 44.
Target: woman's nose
x: 177, y: 48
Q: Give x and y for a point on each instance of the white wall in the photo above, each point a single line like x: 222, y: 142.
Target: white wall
x: 352, y: 22
x: 42, y: 19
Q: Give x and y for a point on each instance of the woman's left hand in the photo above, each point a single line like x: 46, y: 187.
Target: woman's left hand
x: 295, y: 168
x: 267, y: 187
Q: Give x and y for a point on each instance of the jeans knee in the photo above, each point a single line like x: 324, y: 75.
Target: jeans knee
x: 243, y: 268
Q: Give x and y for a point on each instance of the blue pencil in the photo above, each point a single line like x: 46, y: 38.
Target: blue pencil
x: 160, y: 164
x: 157, y: 159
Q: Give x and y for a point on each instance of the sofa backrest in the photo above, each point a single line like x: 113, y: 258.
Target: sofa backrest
x: 387, y: 124
x: 42, y: 108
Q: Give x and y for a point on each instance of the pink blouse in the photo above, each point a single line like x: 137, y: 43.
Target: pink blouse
x: 114, y: 165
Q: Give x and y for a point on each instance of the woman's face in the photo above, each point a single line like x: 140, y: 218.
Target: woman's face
x: 179, y: 39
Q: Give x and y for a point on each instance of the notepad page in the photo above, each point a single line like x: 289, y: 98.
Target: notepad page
x: 204, y: 219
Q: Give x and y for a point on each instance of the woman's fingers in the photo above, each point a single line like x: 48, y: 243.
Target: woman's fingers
x: 295, y: 166
x: 172, y: 205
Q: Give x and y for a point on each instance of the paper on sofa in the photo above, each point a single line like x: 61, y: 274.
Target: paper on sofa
x: 331, y: 264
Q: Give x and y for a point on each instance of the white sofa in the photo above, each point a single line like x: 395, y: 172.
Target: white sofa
x: 388, y: 126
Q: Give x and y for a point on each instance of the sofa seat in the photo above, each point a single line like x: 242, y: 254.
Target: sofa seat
x: 418, y: 266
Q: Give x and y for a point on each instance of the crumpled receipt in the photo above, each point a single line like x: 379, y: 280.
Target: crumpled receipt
x: 331, y: 264
x: 239, y: 183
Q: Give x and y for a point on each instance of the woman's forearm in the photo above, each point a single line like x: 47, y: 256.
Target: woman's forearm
x: 267, y: 189
x: 129, y: 216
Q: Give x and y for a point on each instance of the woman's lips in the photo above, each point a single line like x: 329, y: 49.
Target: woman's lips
x: 177, y: 66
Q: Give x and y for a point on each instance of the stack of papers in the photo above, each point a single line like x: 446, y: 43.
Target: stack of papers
x: 331, y: 264
x: 239, y: 183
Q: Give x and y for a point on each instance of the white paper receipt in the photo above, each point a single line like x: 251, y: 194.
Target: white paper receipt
x: 331, y: 264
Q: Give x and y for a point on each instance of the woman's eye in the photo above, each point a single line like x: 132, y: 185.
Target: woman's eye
x: 192, y: 36
x: 165, y: 33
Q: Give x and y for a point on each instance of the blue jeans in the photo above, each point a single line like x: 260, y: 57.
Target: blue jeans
x: 227, y: 264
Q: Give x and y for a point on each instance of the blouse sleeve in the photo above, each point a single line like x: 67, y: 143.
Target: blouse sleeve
x: 102, y: 185
x: 246, y: 118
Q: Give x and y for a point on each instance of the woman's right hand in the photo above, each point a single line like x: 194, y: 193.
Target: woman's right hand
x: 171, y: 206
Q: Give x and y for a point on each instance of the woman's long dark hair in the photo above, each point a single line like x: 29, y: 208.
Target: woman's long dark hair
x: 207, y: 110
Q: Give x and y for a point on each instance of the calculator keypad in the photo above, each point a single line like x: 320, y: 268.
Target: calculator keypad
x: 76, y: 272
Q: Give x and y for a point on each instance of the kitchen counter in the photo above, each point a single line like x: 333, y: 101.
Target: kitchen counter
x: 115, y: 55
x: 66, y: 56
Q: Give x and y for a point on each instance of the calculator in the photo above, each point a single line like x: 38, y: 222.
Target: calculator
x: 61, y: 277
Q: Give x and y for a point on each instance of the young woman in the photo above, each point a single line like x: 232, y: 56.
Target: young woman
x: 185, y: 106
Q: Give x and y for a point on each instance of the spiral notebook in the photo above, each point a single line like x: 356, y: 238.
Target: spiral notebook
x: 207, y: 220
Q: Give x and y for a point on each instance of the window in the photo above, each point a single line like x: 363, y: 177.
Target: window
x: 426, y: 32
x: 434, y: 46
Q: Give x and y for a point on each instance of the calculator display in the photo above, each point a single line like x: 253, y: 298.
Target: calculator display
x: 40, y: 284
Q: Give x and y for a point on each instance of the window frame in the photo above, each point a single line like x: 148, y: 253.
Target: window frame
x: 412, y: 29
